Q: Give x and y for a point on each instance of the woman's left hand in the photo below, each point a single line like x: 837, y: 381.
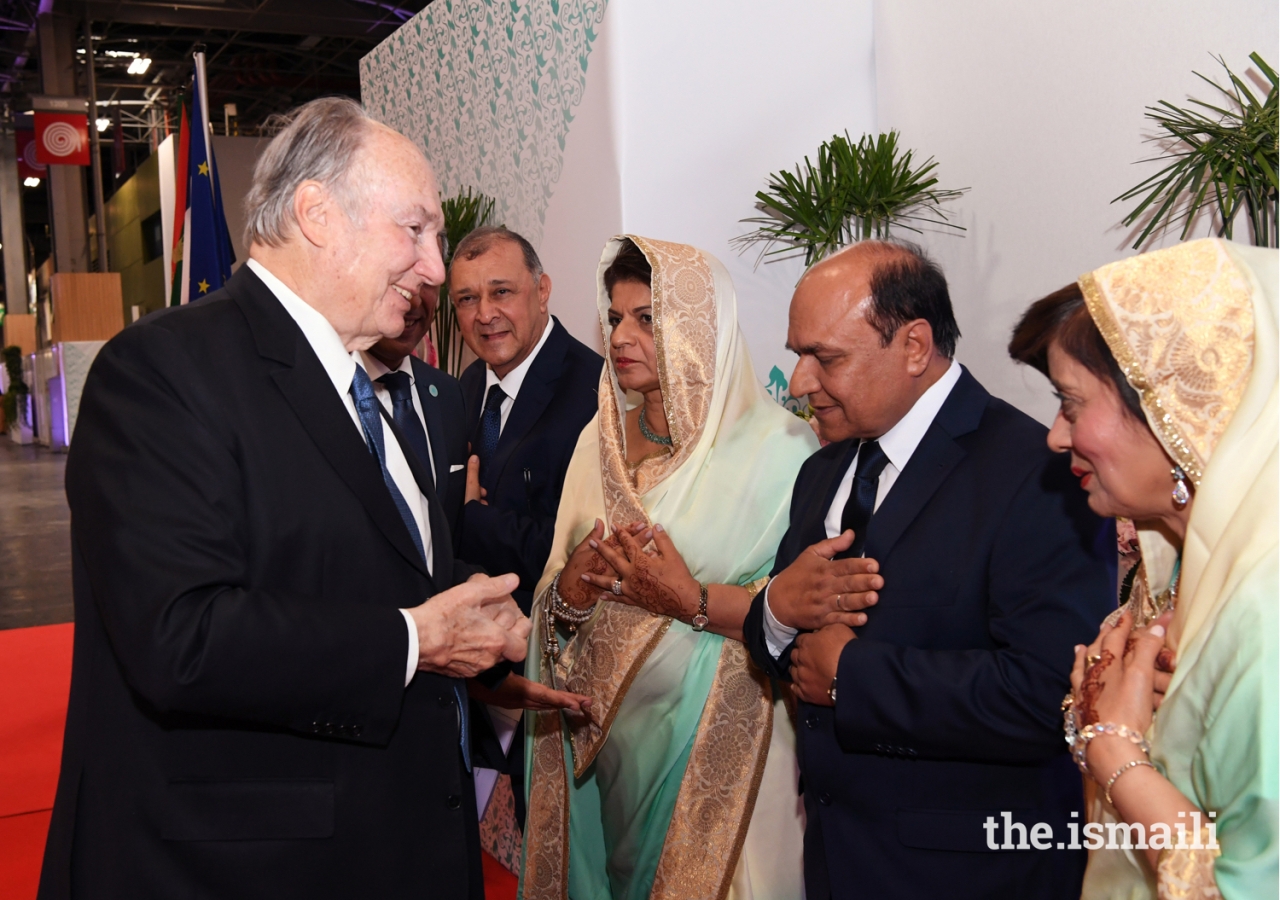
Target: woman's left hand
x: 658, y: 582
x: 1113, y: 681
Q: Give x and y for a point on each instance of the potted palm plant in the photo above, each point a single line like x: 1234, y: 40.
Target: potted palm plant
x: 1220, y: 158
x: 463, y: 214
x: 855, y: 191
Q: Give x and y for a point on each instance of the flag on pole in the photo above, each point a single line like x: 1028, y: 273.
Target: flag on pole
x: 181, y: 217
x: 207, y: 253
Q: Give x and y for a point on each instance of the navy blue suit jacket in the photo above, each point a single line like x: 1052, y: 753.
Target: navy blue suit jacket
x: 948, y: 701
x: 526, y: 475
x: 447, y: 430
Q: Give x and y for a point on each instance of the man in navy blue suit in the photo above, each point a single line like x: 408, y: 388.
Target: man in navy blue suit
x: 528, y: 397
x: 958, y: 547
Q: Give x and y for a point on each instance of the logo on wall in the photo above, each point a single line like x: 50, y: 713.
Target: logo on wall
x: 28, y: 165
x: 62, y: 139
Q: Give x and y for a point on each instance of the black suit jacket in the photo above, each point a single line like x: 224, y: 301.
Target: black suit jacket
x: 238, y: 722
x: 526, y: 475
x: 447, y: 429
x: 948, y: 700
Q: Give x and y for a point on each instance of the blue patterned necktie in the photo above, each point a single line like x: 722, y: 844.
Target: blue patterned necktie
x: 491, y: 423
x: 406, y: 417
x: 862, y: 498
x: 367, y: 408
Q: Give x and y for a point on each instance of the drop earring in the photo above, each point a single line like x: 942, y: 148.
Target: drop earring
x: 1181, y: 494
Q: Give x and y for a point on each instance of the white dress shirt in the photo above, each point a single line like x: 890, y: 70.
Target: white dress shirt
x: 898, y: 444
x: 376, y: 370
x: 510, y: 384
x: 340, y: 366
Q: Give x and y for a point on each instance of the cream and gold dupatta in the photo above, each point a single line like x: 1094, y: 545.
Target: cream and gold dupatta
x: 722, y: 494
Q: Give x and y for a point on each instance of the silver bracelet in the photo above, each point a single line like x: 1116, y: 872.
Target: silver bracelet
x: 556, y: 610
x: 1132, y: 764
x: 1089, y: 732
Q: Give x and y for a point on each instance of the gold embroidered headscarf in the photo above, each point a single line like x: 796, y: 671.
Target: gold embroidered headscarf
x: 1188, y: 326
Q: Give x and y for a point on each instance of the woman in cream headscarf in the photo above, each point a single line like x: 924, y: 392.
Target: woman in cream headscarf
x: 1166, y: 365
x: 683, y: 782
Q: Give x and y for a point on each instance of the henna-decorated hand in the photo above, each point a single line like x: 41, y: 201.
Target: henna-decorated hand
x: 659, y: 582
x: 1113, y: 681
x: 584, y: 558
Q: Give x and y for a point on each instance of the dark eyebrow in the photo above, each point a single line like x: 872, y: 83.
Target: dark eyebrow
x: 812, y: 349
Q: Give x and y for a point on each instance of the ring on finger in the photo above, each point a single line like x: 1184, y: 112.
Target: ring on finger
x: 617, y: 587
x: 1092, y: 660
x: 840, y: 603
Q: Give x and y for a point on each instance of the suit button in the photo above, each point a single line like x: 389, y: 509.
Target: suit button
x: 880, y: 749
x: 453, y: 801
x: 445, y: 700
x: 812, y: 720
x: 824, y: 799
x: 911, y: 754
x: 357, y: 730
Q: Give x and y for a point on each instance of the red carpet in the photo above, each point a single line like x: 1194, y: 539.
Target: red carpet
x: 35, y: 679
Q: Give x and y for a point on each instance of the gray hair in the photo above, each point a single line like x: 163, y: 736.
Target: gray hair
x: 481, y: 241
x: 318, y: 141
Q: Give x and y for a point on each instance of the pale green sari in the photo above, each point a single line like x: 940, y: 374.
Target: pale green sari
x: 1194, y: 328
x: 686, y: 785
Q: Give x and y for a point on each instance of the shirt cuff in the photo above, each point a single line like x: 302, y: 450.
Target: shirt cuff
x: 411, y: 665
x: 777, y: 637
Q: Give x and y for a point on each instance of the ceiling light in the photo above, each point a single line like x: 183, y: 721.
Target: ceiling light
x: 121, y: 54
x: 103, y: 125
x: 140, y: 65
x: 29, y: 181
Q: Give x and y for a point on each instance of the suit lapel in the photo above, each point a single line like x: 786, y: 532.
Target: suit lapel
x: 934, y: 459
x: 309, y: 391
x: 435, y: 426
x: 534, y: 397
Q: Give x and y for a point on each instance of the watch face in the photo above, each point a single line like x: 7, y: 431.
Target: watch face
x: 700, y: 622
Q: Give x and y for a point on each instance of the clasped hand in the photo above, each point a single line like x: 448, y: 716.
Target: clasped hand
x: 471, y: 627
x: 657, y: 581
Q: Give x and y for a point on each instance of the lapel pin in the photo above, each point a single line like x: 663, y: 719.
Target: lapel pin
x: 432, y: 389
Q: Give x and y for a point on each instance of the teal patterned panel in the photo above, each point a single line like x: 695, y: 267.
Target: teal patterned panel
x: 488, y: 88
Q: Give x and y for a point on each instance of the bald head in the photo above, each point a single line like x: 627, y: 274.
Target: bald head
x: 873, y: 328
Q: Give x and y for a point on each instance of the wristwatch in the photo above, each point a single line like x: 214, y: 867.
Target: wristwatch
x: 700, y: 621
x: 831, y: 691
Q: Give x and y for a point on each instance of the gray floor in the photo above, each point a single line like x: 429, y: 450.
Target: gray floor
x: 35, y: 537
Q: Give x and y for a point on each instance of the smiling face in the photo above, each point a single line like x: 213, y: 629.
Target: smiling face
x: 422, y: 310
x: 856, y: 387
x: 631, y: 349
x: 1116, y: 457
x: 379, y: 255
x: 502, y: 308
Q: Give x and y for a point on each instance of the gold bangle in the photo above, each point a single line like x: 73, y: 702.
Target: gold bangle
x: 756, y: 587
x: 1131, y: 764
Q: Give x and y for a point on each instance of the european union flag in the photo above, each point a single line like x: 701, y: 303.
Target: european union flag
x: 208, y: 253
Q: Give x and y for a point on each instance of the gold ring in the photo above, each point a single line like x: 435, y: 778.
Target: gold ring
x: 1091, y: 661
x: 840, y: 603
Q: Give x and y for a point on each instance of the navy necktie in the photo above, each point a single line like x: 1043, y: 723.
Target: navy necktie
x: 862, y: 498
x: 371, y: 422
x: 406, y: 417
x: 491, y: 423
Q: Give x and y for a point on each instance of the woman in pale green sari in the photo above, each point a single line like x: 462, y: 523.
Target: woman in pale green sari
x: 683, y: 783
x: 1166, y: 365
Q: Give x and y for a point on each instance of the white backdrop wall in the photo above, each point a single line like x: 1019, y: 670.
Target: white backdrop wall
x: 663, y: 118
x: 1039, y: 108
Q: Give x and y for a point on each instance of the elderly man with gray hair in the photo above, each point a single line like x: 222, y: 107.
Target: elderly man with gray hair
x: 271, y: 628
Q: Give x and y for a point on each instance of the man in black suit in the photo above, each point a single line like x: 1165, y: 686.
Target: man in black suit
x: 425, y: 402
x: 271, y: 626
x: 528, y: 397
x: 963, y: 557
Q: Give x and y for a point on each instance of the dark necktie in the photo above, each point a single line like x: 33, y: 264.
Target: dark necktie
x: 491, y: 423
x: 367, y: 407
x: 862, y: 498
x: 406, y: 417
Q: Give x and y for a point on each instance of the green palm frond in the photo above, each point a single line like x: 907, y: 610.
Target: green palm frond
x: 1224, y: 155
x: 855, y: 191
x: 463, y: 214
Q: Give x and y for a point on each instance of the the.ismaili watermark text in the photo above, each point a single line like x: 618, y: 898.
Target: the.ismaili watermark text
x: 1099, y: 835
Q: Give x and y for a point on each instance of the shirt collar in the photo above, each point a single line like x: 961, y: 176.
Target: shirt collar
x: 900, y: 441
x: 376, y: 369
x: 337, y: 362
x: 511, y: 383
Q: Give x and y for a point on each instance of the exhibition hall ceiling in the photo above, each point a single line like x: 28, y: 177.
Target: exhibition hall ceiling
x: 263, y: 56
